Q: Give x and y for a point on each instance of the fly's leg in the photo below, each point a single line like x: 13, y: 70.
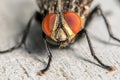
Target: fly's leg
x: 39, y: 18
x: 109, y: 68
x: 90, y: 16
x: 24, y: 37
x: 49, y: 55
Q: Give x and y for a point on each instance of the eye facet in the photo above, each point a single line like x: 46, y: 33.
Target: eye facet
x: 48, y: 23
x: 73, y: 20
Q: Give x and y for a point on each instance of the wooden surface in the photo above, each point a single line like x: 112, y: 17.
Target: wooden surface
x: 73, y: 63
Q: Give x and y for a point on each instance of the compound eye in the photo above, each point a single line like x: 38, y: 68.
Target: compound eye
x: 48, y: 23
x: 74, y: 21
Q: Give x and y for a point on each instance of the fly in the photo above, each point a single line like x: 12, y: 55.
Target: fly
x: 62, y: 22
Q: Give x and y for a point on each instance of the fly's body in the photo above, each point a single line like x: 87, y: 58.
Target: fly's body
x: 62, y: 21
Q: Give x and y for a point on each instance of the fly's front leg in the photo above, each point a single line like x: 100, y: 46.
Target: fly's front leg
x: 49, y: 56
x: 109, y: 68
x: 24, y: 37
x: 97, y: 10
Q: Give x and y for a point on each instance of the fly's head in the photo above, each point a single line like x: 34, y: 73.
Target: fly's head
x: 64, y: 20
x: 62, y: 27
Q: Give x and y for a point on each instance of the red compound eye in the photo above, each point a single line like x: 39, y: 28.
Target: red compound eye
x: 74, y: 21
x: 48, y: 23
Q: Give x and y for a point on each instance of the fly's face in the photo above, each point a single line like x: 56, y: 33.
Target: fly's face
x: 62, y: 23
x: 62, y: 27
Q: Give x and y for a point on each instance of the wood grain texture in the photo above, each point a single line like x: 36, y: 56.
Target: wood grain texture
x: 72, y: 63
